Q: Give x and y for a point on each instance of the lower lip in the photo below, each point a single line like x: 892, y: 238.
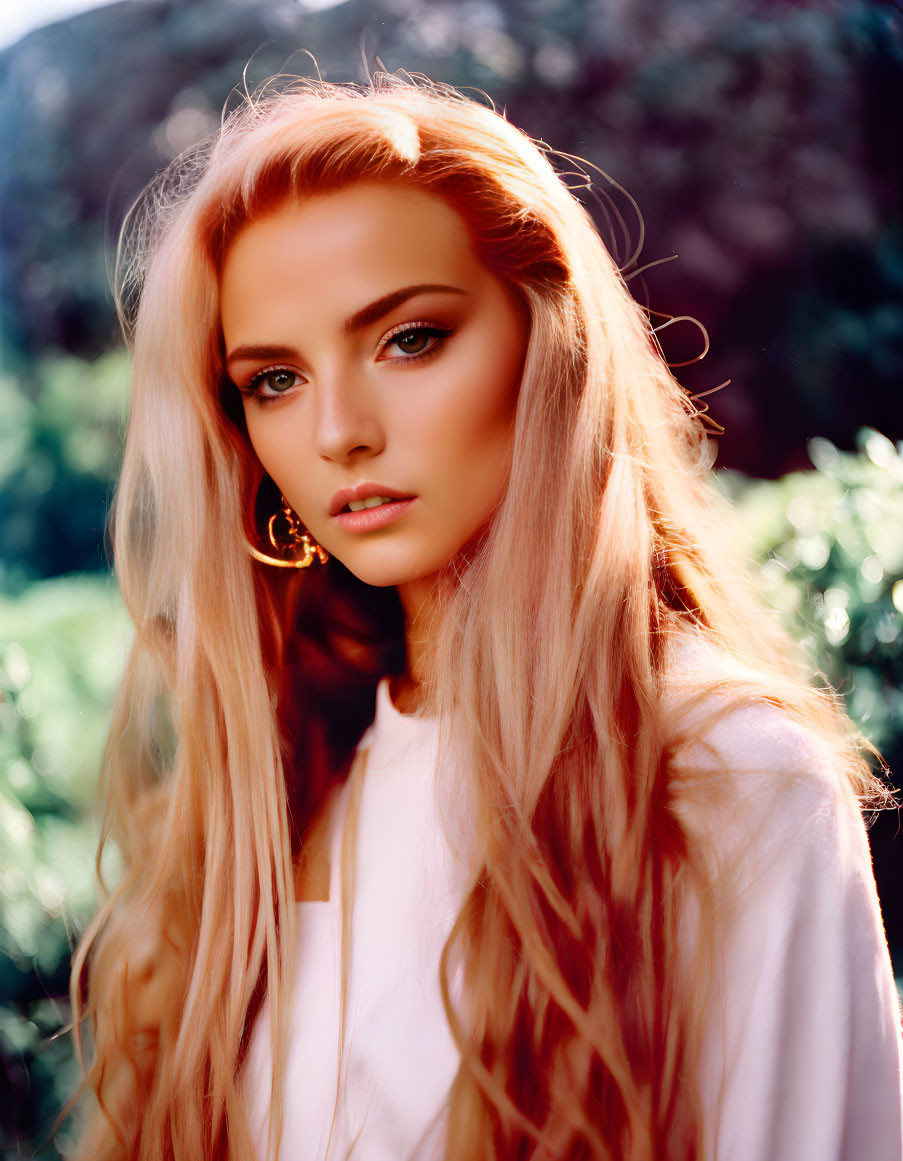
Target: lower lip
x: 370, y: 519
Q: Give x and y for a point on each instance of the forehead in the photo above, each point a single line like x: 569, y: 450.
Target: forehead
x: 344, y: 247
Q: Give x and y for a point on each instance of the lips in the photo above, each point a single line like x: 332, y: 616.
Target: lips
x: 360, y: 494
x: 371, y: 519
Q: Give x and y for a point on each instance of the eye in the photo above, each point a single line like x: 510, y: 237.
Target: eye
x: 273, y: 383
x: 414, y: 340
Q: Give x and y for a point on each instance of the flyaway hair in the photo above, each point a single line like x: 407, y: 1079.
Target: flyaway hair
x: 584, y: 947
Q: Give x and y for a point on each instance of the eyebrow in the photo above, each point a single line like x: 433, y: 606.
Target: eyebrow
x: 365, y: 317
x: 379, y: 309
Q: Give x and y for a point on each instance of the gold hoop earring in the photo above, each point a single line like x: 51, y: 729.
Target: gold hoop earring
x: 286, y: 533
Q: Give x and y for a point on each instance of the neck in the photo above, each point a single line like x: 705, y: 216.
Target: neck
x: 418, y: 600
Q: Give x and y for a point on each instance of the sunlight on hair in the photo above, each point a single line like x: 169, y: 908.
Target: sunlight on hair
x: 585, y: 946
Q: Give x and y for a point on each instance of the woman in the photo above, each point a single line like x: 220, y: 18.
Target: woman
x: 507, y: 826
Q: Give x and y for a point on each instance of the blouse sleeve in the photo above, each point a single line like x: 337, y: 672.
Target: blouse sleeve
x: 802, y: 1043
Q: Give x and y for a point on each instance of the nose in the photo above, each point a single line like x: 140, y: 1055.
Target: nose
x: 347, y: 421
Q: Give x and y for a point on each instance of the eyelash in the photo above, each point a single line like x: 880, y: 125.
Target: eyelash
x: 441, y: 334
x: 430, y: 329
x: 252, y: 388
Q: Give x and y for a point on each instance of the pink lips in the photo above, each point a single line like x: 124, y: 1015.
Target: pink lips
x: 363, y: 491
x: 369, y: 519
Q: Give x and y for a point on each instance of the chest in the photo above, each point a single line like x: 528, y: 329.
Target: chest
x: 383, y: 1079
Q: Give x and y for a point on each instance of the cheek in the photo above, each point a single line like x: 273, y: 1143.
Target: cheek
x: 488, y: 414
x: 280, y: 452
x: 486, y: 466
x: 264, y: 446
x: 475, y: 443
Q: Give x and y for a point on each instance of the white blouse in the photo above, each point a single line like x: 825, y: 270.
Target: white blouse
x: 802, y: 1053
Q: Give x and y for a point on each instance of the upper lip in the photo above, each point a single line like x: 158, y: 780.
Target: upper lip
x: 363, y: 492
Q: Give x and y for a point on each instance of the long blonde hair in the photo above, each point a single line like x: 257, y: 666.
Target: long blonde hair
x: 579, y: 1022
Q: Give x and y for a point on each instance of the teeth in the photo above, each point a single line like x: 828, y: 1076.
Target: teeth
x: 372, y: 502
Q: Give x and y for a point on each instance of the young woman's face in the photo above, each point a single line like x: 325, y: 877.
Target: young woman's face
x: 377, y: 358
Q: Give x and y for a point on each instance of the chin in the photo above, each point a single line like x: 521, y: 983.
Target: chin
x: 388, y: 573
x: 382, y: 575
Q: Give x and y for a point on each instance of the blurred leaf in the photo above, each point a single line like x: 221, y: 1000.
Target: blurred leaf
x: 60, y: 449
x: 830, y: 547
x: 62, y: 645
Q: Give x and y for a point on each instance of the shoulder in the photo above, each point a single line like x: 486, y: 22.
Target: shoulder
x: 801, y: 1049
x: 752, y: 776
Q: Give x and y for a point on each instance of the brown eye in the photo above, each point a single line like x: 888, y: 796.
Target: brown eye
x: 412, y: 342
x: 269, y: 385
x: 277, y: 380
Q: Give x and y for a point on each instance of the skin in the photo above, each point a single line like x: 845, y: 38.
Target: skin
x: 427, y: 414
